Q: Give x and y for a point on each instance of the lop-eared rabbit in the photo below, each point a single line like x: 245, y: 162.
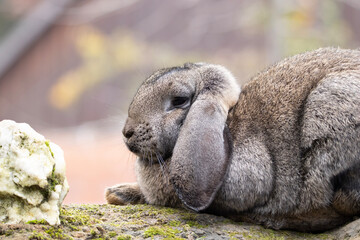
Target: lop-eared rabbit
x: 283, y: 152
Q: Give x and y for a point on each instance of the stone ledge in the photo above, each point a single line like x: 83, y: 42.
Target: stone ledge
x: 145, y: 221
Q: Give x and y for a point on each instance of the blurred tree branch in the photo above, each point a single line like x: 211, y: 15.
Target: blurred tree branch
x: 28, y: 30
x: 93, y: 10
x: 352, y: 3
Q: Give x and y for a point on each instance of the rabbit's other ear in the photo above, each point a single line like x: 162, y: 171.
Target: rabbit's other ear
x: 202, y: 152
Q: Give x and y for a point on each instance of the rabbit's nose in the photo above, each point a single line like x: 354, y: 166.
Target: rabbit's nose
x: 128, y: 132
x: 129, y: 128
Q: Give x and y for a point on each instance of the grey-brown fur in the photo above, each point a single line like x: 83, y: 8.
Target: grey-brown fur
x: 291, y: 158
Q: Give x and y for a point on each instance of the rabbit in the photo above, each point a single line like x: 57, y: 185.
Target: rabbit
x: 283, y: 151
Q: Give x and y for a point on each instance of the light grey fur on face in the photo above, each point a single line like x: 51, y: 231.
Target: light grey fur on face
x: 284, y: 153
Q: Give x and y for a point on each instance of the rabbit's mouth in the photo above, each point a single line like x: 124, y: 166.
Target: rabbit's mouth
x: 148, y: 154
x: 133, y: 148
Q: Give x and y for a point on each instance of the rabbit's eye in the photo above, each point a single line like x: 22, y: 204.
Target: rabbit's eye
x: 180, y: 102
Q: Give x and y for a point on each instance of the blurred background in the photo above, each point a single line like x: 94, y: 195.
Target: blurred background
x: 69, y: 68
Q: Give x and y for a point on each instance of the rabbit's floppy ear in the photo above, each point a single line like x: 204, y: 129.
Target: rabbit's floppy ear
x: 202, y: 151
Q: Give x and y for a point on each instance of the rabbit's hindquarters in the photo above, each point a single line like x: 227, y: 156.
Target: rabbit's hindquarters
x: 330, y: 139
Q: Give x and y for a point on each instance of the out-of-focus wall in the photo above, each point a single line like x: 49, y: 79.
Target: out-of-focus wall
x: 74, y: 83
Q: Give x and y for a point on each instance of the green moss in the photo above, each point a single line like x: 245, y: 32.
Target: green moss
x: 263, y: 234
x: 53, y: 180
x: 228, y: 221
x: 37, y: 236
x: 93, y: 232
x: 43, y: 222
x: 47, y: 143
x: 115, y: 225
x: 174, y: 223
x: 73, y: 228
x: 92, y: 209
x: 7, y: 233
x: 76, y: 217
x: 148, y: 210
x: 112, y: 234
x: 247, y: 235
x: 195, y: 224
x: 137, y: 221
x: 165, y: 210
x: 164, y: 231
x: 188, y: 216
x: 23, y: 139
x: 124, y: 237
x: 267, y: 234
x: 56, y: 233
x: 72, y: 218
x: 325, y: 236
x: 232, y: 235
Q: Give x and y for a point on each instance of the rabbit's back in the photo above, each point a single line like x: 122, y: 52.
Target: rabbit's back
x: 276, y: 97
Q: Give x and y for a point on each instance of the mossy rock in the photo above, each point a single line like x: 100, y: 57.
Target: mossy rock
x: 150, y: 222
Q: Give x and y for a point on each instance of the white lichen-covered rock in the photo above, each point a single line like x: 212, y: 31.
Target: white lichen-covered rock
x: 32, y: 175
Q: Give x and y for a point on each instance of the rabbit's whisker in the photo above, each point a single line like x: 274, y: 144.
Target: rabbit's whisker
x: 128, y: 158
x: 147, y: 155
x: 165, y: 173
x: 162, y: 164
x: 143, y: 155
x: 151, y: 159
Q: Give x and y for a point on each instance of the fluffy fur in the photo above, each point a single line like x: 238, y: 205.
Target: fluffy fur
x: 285, y: 152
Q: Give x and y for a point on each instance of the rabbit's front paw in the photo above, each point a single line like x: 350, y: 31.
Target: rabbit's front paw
x: 123, y: 194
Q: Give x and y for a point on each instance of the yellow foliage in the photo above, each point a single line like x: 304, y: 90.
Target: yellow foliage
x: 126, y: 51
x: 91, y: 43
x: 103, y: 56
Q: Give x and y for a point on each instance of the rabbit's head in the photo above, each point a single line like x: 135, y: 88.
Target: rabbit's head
x: 178, y: 114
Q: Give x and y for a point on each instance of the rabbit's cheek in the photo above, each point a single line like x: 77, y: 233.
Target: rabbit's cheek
x: 143, y: 141
x: 169, y: 131
x: 167, y: 141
